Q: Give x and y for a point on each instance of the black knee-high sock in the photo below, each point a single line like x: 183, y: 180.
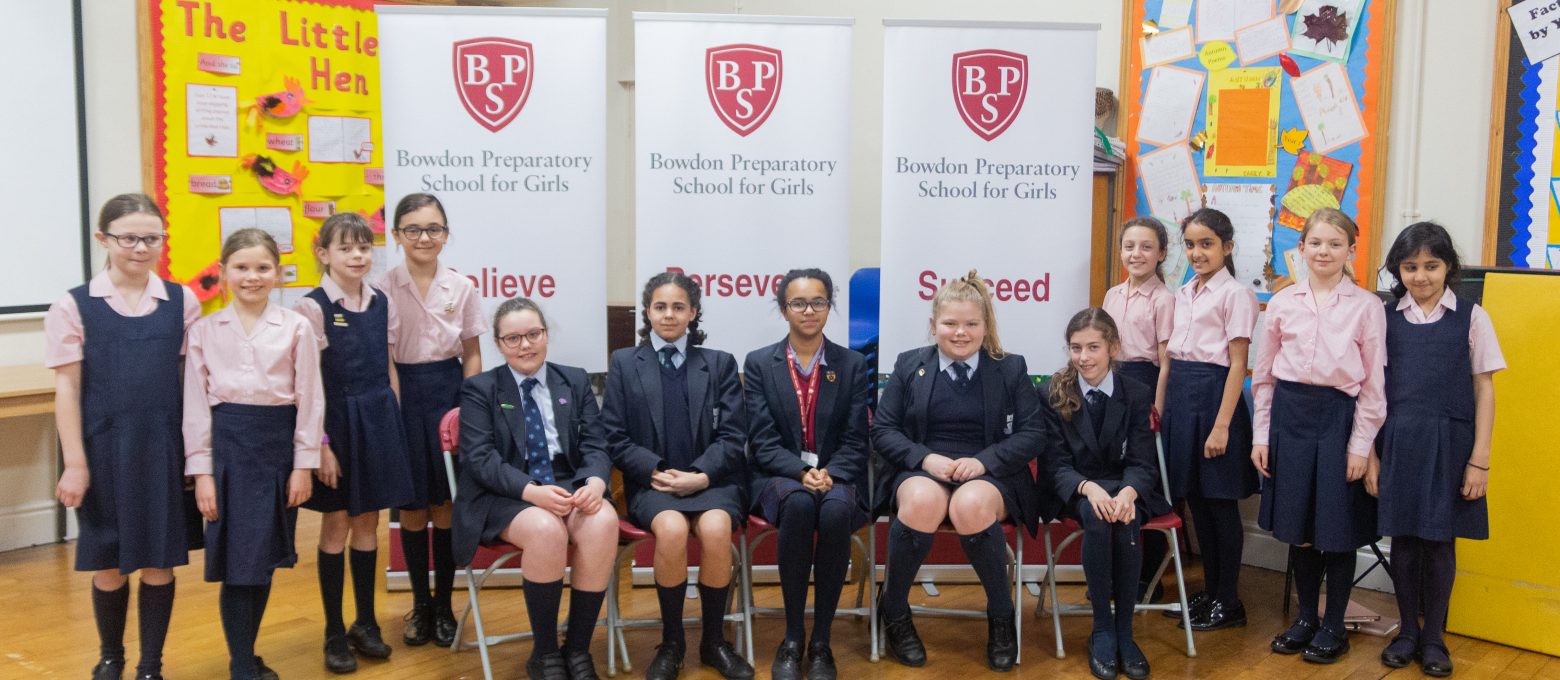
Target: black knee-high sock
x: 671, y: 598
x: 713, y: 607
x: 831, y: 560
x: 1124, y: 543
x: 584, y: 609
x: 1408, y: 582
x: 1098, y: 565
x: 1207, y: 542
x: 541, y: 604
x: 1309, y: 567
x: 156, y: 609
x: 987, y: 551
x: 1231, y: 538
x: 364, y: 563
x: 414, y: 545
x: 109, y: 608
x: 1340, y: 582
x: 1440, y: 572
x: 236, y: 604
x: 443, y: 568
x: 907, y: 549
x: 332, y: 572
x: 798, y: 522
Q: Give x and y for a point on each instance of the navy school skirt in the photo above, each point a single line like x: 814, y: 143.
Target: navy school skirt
x: 1006, y: 486
x: 135, y: 513
x: 501, y: 510
x: 645, y: 503
x: 428, y: 391
x: 365, y: 434
x: 1423, y: 457
x: 1308, y: 499
x: 252, y: 456
x: 1191, y: 405
x: 780, y: 488
x: 1142, y: 371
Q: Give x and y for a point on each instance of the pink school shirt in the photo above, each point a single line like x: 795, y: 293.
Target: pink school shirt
x: 1145, y: 318
x: 62, y: 330
x: 276, y: 363
x: 433, y: 327
x: 1207, y: 320
x: 1341, y: 343
x: 1483, y: 347
x: 316, y: 318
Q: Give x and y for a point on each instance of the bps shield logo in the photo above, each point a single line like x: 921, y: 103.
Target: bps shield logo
x: 493, y: 77
x: 744, y: 83
x: 989, y: 87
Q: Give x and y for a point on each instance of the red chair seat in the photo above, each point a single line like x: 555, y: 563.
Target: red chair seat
x: 760, y: 524
x: 1008, y: 527
x: 1162, y: 522
x: 628, y: 533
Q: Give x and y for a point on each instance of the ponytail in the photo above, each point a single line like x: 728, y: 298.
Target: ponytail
x: 971, y: 288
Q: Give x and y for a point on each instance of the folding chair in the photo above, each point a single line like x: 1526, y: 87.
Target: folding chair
x: 1168, y: 524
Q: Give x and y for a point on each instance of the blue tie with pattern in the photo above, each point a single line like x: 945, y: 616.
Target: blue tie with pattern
x: 961, y: 373
x: 537, y: 458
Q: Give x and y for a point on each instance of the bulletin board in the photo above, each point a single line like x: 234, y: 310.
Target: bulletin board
x: 1235, y: 105
x: 261, y: 113
x: 1522, y: 220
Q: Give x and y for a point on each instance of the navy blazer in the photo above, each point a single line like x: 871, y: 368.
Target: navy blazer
x: 1124, y: 452
x: 493, y: 443
x: 632, y: 413
x: 1009, y: 398
x: 775, y: 419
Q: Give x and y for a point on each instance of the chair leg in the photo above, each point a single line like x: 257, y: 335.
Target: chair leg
x: 1050, y: 582
x: 474, y: 612
x: 612, y: 588
x: 871, y: 585
x: 747, y: 597
x: 1180, y: 586
x: 1018, y: 595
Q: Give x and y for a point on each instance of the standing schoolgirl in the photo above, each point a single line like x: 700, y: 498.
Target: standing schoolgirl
x: 1206, y: 427
x: 253, y: 407
x: 1317, y: 385
x: 115, y: 346
x: 364, y: 465
x: 675, y: 426
x: 1435, y: 446
x: 441, y: 322
x: 536, y: 477
x: 1104, y: 465
x: 959, y: 422
x: 807, y: 421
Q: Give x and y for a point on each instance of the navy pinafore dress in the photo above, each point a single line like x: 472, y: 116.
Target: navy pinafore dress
x: 1427, y: 439
x: 133, y: 514
x: 362, y: 418
x: 428, y: 391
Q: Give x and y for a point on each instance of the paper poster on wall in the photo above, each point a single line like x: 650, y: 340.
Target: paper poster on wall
x: 1174, y: 14
x: 273, y: 220
x: 1170, y: 105
x: 1168, y: 46
x: 1219, y: 19
x: 1170, y: 182
x: 340, y: 139
x: 1262, y: 40
x: 1242, y: 123
x: 1316, y: 182
x: 1324, y: 29
x: 211, y: 115
x: 1326, y: 101
x: 1250, y: 209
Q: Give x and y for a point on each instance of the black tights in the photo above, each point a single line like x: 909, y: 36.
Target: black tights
x: 1111, y: 563
x: 1310, y: 566
x: 1221, y: 537
x: 242, y: 607
x: 803, y: 514
x: 1422, y: 575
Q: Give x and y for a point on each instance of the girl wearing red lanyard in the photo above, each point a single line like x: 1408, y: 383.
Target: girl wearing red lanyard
x: 807, y: 425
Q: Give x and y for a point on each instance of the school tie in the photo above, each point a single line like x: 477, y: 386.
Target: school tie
x: 1096, y: 400
x: 538, y: 460
x: 961, y: 374
x: 668, y: 353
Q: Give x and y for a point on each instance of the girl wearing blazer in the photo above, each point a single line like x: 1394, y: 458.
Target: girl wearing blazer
x: 807, y: 424
x: 959, y: 422
x: 535, y: 475
x: 675, y: 427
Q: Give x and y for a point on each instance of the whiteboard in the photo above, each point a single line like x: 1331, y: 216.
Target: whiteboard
x: 43, y: 172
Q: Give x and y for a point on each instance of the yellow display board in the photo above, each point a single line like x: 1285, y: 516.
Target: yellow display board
x: 1508, y: 587
x: 261, y: 113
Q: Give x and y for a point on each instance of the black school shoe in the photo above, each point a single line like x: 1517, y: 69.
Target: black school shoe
x: 1102, y: 661
x: 338, y: 655
x: 667, y: 663
x: 547, y: 666
x: 419, y: 626
x: 725, y: 660
x: 1001, y: 643
x: 1295, y: 639
x: 1435, y: 661
x: 1327, y: 647
x: 1220, y: 616
x: 788, y: 661
x: 364, y: 640
x: 1400, y: 652
x: 820, y: 662
x: 265, y: 671
x: 904, y: 645
x: 108, y: 669
x: 1197, y: 602
x: 443, y: 626
x: 581, y: 666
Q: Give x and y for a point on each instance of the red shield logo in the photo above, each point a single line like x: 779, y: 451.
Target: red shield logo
x: 493, y: 77
x: 989, y: 87
x: 743, y: 83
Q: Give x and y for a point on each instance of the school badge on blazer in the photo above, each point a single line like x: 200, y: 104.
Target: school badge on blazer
x: 743, y: 82
x: 989, y: 88
x: 493, y: 78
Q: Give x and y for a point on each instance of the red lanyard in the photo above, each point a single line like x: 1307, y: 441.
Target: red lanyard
x: 806, y: 396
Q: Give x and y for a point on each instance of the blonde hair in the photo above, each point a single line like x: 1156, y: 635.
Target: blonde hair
x: 1066, y: 399
x: 971, y: 288
x: 250, y: 237
x: 1336, y: 218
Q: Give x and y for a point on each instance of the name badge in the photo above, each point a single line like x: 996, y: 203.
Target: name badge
x: 810, y: 458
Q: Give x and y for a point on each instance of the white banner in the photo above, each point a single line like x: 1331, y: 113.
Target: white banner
x: 741, y: 129
x: 501, y: 113
x: 990, y: 170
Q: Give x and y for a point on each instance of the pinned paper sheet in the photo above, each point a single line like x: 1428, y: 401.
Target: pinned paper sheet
x: 1534, y: 23
x: 1324, y: 29
x: 1250, y: 209
x: 1316, y: 182
x: 274, y: 221
x: 1242, y: 123
x: 1174, y: 14
x: 212, y: 120
x: 1170, y: 182
x: 340, y: 139
x: 1168, y: 46
x: 1296, y: 264
x: 1262, y: 40
x: 1219, y: 19
x: 1326, y: 101
x: 1169, y: 105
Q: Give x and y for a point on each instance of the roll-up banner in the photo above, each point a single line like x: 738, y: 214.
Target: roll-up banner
x: 986, y: 165
x: 741, y: 141
x: 501, y: 113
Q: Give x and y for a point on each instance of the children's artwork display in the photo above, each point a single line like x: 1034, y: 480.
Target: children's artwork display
x: 1522, y: 214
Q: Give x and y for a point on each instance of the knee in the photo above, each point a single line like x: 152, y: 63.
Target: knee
x: 798, y: 507
x: 670, y: 529
x: 971, y: 508
x: 714, y: 526
x: 834, y: 519
x: 539, y: 530
x: 919, y: 497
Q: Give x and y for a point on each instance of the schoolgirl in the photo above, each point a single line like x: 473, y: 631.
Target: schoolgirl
x: 1317, y: 385
x: 253, y: 408
x: 364, y: 464
x: 115, y: 345
x: 675, y: 426
x: 959, y: 422
x: 807, y: 424
x: 441, y: 325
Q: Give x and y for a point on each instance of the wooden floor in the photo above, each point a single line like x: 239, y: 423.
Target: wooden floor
x: 47, y: 631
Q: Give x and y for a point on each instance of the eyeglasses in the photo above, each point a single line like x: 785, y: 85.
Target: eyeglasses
x: 434, y: 232
x: 512, y: 340
x: 129, y: 240
x: 799, y: 305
